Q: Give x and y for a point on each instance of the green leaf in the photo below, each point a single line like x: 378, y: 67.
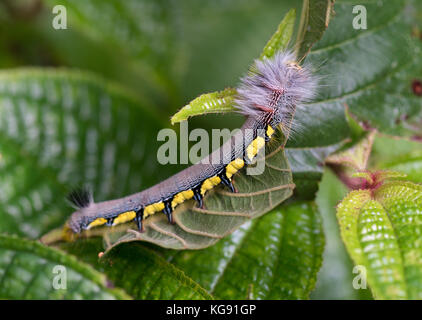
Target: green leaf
x: 135, y: 28
x: 281, y: 38
x: 399, y: 155
x: 335, y: 279
x: 63, y: 128
x: 378, y: 176
x: 28, y: 271
x: 410, y: 164
x: 314, y: 19
x: 381, y: 230
x: 370, y: 71
x: 312, y: 140
x: 140, y: 271
x: 355, y: 157
x: 275, y: 257
x: 215, y: 102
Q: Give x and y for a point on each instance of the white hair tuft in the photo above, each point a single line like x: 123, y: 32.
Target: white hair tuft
x: 275, y: 85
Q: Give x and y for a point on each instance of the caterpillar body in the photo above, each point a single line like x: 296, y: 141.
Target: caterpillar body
x: 268, y: 97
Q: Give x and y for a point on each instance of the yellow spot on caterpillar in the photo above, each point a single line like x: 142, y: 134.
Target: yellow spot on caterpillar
x: 234, y: 166
x: 270, y: 131
x: 148, y: 211
x: 153, y: 208
x: 97, y: 222
x: 253, y: 149
x: 209, y: 184
x: 181, y: 197
x: 124, y: 217
x: 158, y: 206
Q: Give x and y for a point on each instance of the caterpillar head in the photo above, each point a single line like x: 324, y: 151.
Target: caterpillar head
x: 274, y: 88
x: 82, y: 200
x: 79, y: 220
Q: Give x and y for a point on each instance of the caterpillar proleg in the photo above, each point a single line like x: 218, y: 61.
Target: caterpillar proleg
x: 268, y: 96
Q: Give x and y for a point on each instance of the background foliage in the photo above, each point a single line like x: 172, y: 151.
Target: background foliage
x: 101, y: 90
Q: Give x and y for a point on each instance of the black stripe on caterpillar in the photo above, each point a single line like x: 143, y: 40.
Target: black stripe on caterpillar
x: 268, y: 96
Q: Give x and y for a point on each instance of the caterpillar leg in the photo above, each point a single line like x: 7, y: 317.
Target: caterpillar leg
x: 109, y: 222
x: 226, y: 181
x: 139, y: 219
x: 168, y: 211
x: 198, y: 197
x: 247, y: 160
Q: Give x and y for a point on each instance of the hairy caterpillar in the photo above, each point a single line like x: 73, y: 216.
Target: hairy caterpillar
x: 268, y: 97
